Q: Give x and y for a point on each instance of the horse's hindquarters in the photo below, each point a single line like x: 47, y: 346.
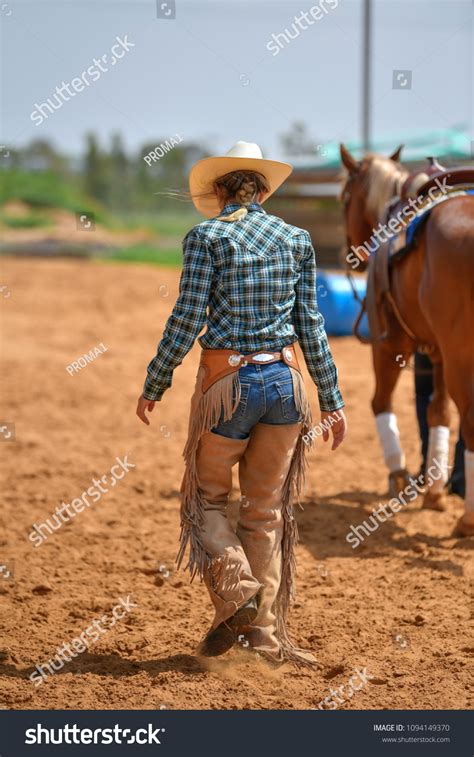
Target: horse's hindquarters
x: 447, y: 299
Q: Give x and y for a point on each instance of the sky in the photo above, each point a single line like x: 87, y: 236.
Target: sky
x: 207, y: 75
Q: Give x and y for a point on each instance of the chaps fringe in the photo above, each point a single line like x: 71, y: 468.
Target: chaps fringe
x: 291, y: 492
x: 205, y: 414
x: 224, y: 574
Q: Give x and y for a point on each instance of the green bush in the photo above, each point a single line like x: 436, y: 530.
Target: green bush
x: 45, y: 189
x: 144, y: 254
x: 31, y: 221
x: 168, y: 224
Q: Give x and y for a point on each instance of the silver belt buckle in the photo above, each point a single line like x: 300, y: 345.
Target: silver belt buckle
x: 263, y: 357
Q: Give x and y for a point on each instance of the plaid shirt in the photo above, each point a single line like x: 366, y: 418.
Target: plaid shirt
x: 257, y: 277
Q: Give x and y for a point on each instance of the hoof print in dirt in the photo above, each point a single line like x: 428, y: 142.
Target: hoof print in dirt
x: 42, y: 589
x: 334, y: 671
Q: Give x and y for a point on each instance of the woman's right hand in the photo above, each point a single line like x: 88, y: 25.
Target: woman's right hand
x: 142, y: 406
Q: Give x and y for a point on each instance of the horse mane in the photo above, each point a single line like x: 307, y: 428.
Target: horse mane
x: 383, y: 180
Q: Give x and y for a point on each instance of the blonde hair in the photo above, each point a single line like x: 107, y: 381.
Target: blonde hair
x: 244, y: 186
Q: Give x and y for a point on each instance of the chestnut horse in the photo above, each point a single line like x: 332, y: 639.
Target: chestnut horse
x: 432, y: 306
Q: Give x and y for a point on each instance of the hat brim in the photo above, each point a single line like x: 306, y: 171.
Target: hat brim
x: 205, y: 172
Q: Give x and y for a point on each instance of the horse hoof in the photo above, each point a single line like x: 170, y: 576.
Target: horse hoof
x: 433, y: 501
x: 397, y: 481
x: 465, y: 525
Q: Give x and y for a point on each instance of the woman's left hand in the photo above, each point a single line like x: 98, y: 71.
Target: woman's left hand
x: 338, y: 427
x: 142, y: 407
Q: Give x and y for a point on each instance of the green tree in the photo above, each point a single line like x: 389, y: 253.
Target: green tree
x: 95, y: 170
x: 297, y: 141
x: 121, y: 182
x: 41, y: 155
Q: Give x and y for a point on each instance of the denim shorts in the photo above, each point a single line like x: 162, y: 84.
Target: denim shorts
x: 266, y: 396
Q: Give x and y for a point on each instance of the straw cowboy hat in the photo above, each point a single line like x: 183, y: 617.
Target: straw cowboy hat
x: 242, y: 156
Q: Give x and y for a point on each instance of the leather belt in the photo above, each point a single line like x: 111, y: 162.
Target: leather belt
x: 219, y: 363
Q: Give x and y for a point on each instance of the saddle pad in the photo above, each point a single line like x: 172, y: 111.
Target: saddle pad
x: 414, y: 225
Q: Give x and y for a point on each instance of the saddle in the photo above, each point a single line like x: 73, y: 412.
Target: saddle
x: 379, y: 302
x: 451, y: 177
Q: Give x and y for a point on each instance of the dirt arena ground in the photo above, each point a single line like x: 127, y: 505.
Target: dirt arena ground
x: 397, y: 606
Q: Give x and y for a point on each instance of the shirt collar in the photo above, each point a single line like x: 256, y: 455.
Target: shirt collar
x: 231, y: 206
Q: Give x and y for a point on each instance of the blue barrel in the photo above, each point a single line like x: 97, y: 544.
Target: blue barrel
x: 337, y: 303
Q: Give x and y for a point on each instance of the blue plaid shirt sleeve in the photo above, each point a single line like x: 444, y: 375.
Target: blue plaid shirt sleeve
x: 309, y: 327
x: 186, y: 320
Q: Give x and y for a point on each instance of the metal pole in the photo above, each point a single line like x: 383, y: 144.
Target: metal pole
x: 366, y: 74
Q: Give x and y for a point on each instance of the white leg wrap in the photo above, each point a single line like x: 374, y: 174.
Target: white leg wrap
x: 389, y: 435
x: 469, y: 471
x: 437, y: 458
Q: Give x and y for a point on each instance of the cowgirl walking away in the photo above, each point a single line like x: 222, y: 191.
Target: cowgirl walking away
x: 251, y: 279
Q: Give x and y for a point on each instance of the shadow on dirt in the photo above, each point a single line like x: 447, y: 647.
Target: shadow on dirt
x: 331, y: 526
x: 115, y: 666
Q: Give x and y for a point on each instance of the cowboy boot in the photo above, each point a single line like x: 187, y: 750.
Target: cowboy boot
x: 263, y: 471
x: 227, y: 575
